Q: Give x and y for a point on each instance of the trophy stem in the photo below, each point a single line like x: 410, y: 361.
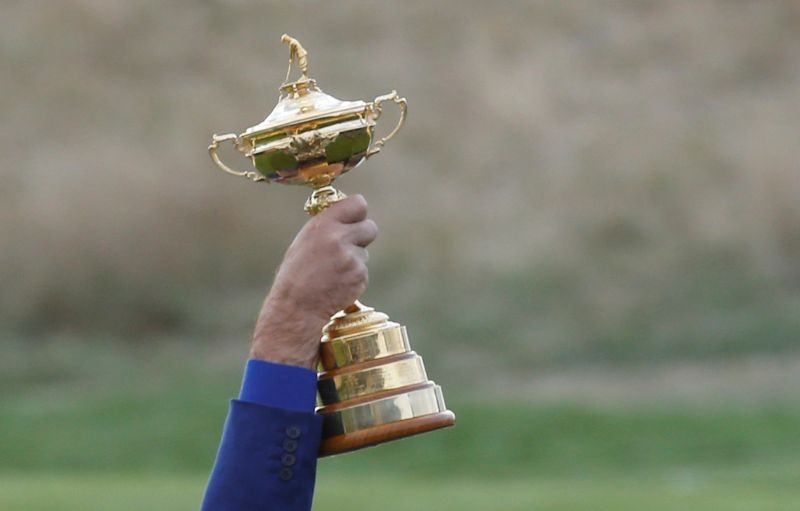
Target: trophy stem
x: 321, y: 198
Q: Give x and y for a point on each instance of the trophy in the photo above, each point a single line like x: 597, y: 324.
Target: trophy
x: 372, y: 388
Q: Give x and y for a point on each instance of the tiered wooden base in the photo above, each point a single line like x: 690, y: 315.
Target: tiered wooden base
x: 386, y: 433
x: 372, y: 387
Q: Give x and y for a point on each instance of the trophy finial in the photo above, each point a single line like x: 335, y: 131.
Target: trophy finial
x: 296, y: 52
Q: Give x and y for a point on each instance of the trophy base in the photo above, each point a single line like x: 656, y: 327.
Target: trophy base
x: 385, y: 433
x: 372, y: 388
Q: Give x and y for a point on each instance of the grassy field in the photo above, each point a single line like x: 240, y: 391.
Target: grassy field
x: 115, y: 432
x: 773, y: 489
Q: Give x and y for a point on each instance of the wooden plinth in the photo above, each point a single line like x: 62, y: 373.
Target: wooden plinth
x: 385, y: 433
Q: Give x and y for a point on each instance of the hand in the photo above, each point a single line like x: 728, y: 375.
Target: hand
x: 324, y: 270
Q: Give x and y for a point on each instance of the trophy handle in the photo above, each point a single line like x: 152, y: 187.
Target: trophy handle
x: 212, y: 151
x: 376, y: 113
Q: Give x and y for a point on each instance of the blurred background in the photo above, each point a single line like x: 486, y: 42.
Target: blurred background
x: 590, y: 226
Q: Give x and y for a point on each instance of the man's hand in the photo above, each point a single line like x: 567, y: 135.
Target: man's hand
x: 324, y: 270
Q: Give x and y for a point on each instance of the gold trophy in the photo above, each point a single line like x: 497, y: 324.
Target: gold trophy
x: 372, y: 387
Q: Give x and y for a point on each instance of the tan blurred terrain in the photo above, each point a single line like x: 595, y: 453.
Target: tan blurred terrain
x: 612, y: 180
x: 590, y: 226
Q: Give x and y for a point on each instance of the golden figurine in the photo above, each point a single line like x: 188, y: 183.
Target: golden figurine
x: 296, y: 52
x: 372, y: 387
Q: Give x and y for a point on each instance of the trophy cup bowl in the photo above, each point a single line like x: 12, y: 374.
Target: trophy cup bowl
x: 372, y: 387
x: 310, y: 138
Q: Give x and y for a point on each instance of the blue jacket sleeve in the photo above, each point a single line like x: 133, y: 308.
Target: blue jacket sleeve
x: 279, y: 386
x: 267, y: 460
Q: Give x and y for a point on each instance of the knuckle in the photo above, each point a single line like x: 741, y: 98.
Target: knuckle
x: 344, y: 259
x: 359, y: 202
x: 319, y: 226
x: 372, y: 228
x: 335, y: 237
x: 318, y: 221
x: 347, y: 260
x: 330, y: 245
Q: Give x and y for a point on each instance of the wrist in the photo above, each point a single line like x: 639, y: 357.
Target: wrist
x: 282, y: 301
x: 287, y: 335
x: 269, y: 353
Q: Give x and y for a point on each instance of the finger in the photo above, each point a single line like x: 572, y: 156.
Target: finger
x: 362, y: 233
x: 347, y: 211
x: 360, y: 277
x: 362, y: 254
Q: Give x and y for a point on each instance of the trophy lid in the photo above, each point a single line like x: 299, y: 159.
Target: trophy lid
x: 302, y: 101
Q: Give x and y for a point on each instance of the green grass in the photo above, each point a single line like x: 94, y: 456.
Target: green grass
x: 117, y: 428
x: 770, y: 489
x: 178, y: 432
x: 89, y: 492
x: 131, y: 455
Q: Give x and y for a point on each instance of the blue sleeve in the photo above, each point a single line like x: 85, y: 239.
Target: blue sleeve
x: 267, y: 459
x: 279, y: 385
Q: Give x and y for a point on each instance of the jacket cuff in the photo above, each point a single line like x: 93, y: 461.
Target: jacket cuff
x: 279, y: 386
